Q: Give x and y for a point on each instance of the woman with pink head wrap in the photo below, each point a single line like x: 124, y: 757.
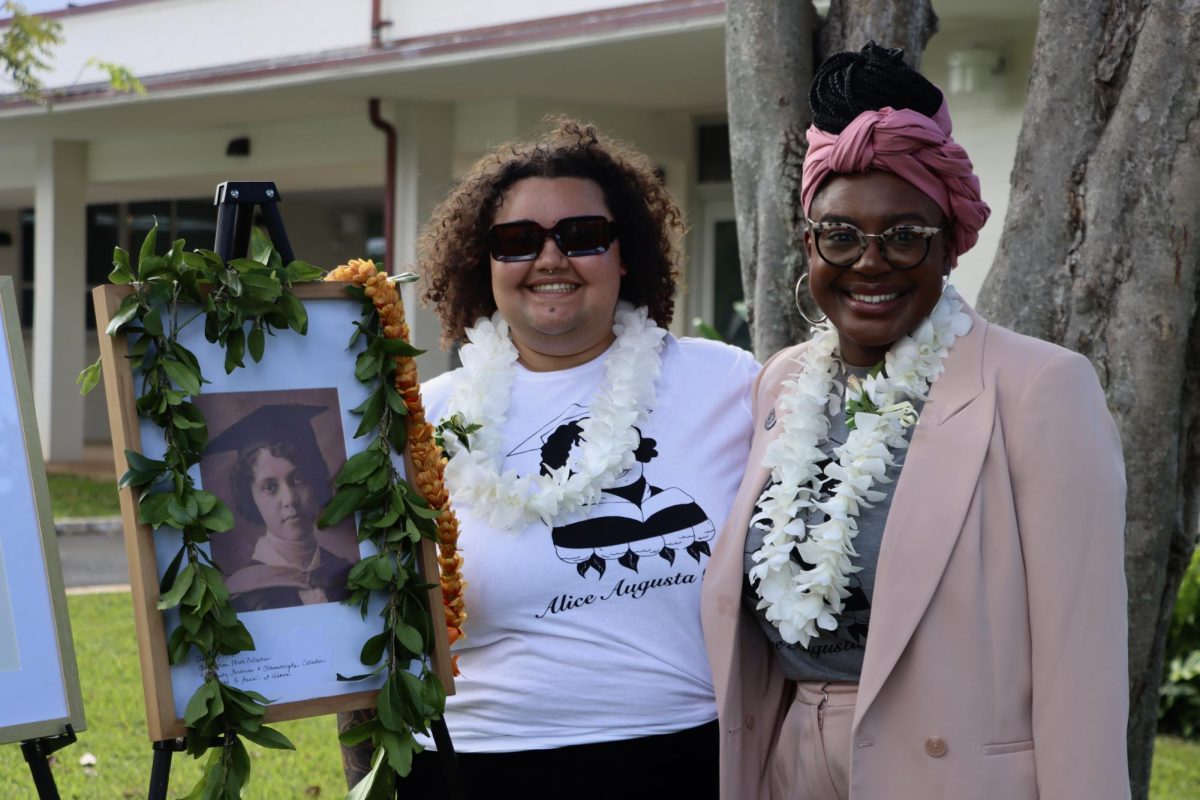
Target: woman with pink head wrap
x: 919, y: 592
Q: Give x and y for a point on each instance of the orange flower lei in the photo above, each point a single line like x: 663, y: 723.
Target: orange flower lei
x: 427, y: 458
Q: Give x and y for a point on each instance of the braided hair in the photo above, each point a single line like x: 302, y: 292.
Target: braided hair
x: 847, y: 84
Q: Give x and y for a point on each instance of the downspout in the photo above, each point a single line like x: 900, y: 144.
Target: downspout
x: 389, y: 200
x: 378, y: 23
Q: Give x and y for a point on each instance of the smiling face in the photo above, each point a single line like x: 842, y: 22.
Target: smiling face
x: 870, y: 303
x: 282, y: 496
x: 559, y: 309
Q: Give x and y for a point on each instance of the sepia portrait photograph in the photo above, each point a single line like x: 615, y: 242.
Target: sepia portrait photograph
x: 271, y: 458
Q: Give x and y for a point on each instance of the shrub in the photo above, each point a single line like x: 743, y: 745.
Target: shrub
x: 1179, y: 695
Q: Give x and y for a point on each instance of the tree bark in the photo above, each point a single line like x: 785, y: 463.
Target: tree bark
x: 769, y: 62
x: 853, y: 23
x: 1099, y: 254
x: 769, y: 59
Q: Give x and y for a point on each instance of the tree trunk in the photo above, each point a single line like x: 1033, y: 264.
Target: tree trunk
x: 769, y: 63
x: 1099, y: 254
x: 853, y: 23
x: 768, y: 67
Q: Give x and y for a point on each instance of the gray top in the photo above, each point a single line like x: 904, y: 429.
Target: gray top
x: 835, y: 655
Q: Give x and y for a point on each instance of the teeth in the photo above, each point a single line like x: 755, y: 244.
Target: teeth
x: 546, y: 288
x: 874, y: 298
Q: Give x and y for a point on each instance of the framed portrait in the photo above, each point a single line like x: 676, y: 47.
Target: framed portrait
x: 39, y: 682
x: 278, y: 430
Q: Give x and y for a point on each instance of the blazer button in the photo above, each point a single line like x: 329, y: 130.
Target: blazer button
x: 749, y: 722
x: 935, y: 746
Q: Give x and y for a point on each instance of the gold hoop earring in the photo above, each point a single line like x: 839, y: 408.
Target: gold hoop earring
x: 800, y: 306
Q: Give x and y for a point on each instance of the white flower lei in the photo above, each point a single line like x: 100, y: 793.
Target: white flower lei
x: 800, y: 601
x: 482, y: 390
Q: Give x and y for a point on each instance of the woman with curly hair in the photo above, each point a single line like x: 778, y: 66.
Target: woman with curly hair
x: 592, y: 458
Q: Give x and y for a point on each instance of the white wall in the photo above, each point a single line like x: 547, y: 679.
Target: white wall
x: 178, y: 36
x: 411, y: 19
x: 987, y: 120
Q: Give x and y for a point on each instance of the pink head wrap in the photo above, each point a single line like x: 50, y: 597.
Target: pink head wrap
x: 911, y: 145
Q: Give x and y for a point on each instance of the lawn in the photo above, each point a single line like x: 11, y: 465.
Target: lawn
x: 116, y: 734
x: 1176, y: 770
x: 75, y: 496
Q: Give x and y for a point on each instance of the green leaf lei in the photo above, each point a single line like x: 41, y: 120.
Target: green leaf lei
x: 254, y: 292
x: 395, y: 517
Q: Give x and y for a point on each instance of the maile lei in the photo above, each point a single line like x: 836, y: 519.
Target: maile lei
x: 801, y: 601
x: 255, y: 293
x: 395, y: 518
x: 479, y: 402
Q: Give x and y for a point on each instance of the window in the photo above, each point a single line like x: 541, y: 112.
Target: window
x: 111, y: 225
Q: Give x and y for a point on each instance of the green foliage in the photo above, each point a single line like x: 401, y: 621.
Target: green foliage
x: 119, y: 77
x: 27, y: 44
x: 24, y: 47
x: 455, y: 425
x: 251, y: 292
x: 394, y: 518
x: 1179, y: 695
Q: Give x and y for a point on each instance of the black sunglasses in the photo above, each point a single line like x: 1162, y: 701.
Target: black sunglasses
x: 575, y: 236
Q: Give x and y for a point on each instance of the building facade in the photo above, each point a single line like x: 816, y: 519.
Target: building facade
x: 280, y: 90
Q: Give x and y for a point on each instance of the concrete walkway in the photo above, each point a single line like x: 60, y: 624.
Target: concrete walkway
x: 92, y: 550
x: 92, y: 553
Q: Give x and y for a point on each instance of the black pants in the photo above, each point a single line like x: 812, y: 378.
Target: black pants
x: 682, y: 764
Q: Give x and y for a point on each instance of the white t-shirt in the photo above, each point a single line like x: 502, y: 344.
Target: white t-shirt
x: 590, y: 631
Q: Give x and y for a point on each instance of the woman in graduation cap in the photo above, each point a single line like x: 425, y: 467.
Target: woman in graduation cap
x: 281, y: 481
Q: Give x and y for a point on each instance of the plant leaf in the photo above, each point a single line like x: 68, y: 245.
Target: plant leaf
x: 344, y: 503
x: 303, y: 272
x: 88, y: 379
x: 121, y: 273
x: 125, y: 312
x: 147, y: 250
x: 183, y: 377
x: 297, y: 314
x: 257, y: 342
x: 269, y: 737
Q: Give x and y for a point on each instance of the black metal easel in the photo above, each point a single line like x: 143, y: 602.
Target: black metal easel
x: 37, y: 752
x: 236, y: 203
x: 160, y: 770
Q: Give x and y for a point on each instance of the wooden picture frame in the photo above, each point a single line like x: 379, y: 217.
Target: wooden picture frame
x: 289, y: 636
x: 39, y: 679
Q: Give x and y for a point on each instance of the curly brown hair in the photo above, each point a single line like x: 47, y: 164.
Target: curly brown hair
x: 452, y: 251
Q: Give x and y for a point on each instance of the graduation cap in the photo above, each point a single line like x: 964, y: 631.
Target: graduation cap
x: 534, y: 443
x: 267, y: 425
x: 287, y: 429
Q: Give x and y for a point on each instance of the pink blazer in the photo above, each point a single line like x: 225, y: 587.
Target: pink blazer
x: 998, y: 623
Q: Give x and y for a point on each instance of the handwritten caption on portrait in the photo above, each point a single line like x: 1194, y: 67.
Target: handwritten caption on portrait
x: 246, y: 670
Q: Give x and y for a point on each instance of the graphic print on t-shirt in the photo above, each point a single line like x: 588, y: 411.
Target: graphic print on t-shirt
x: 634, y: 519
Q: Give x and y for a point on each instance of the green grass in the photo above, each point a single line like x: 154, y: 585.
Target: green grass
x: 112, y: 698
x: 75, y: 496
x: 1176, y: 769
x: 116, y: 734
